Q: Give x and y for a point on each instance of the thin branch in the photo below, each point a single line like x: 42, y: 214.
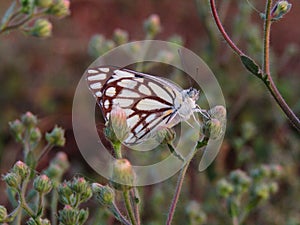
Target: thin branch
x: 266, y: 69
x: 222, y: 30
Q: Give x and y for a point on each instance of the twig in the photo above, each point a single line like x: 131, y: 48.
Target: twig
x: 266, y: 77
x: 222, y: 30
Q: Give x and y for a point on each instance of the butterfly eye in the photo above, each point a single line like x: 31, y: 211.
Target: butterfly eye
x: 193, y: 94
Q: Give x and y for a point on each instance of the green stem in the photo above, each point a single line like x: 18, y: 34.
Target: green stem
x: 54, y: 200
x: 39, y: 211
x: 119, y: 215
x: 135, y: 197
x: 126, y: 195
x: 117, y: 148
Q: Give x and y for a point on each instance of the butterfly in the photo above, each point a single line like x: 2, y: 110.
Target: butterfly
x: 150, y: 102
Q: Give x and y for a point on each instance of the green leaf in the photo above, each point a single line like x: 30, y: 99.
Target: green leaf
x: 8, y: 14
x: 251, y: 65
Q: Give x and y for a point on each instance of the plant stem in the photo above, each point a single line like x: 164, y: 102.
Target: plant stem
x: 134, y: 196
x: 266, y: 69
x: 117, y: 148
x: 129, y: 208
x: 119, y: 215
x: 266, y: 44
x: 266, y: 78
x: 178, y: 187
x: 222, y: 30
x: 54, y: 200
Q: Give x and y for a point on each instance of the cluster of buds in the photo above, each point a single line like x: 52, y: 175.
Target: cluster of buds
x: 43, y: 27
x: 18, y: 173
x: 259, y: 185
x: 73, y: 192
x: 26, y: 132
x: 56, y: 137
x: 70, y: 215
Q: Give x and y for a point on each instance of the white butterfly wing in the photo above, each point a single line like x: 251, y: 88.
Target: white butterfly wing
x: 147, y: 100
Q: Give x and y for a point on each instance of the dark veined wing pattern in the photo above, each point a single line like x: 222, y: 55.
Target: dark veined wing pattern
x: 148, y: 101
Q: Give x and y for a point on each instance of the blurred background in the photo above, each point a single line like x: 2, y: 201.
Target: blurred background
x: 40, y: 75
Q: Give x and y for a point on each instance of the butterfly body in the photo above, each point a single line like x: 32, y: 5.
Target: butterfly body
x: 150, y: 103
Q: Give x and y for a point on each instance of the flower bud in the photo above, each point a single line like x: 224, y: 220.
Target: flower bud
x: 54, y: 172
x: 64, y: 193
x: 68, y: 216
x: 195, y: 213
x: 240, y: 180
x: 280, y: 9
x: 214, y: 127
x: 43, y: 3
x: 117, y: 128
x: 17, y: 128
x: 35, y: 136
x: 3, y: 213
x: 60, y: 8
x: 152, y: 25
x: 261, y: 191
x: 122, y: 174
x: 104, y: 194
x: 41, y: 28
x: 120, y: 36
x: 83, y: 216
x: 276, y: 171
x: 61, y: 159
x: 42, y: 184
x: 273, y: 187
x: 29, y: 120
x: 224, y: 188
x: 81, y: 187
x: 56, y: 137
x: 27, y: 6
x: 21, y: 169
x: 12, y: 180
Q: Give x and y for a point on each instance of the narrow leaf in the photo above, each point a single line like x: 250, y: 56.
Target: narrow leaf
x: 251, y: 65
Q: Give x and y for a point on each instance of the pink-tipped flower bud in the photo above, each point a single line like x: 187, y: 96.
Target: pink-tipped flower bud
x: 42, y: 184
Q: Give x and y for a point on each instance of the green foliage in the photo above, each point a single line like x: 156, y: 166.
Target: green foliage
x: 21, y: 14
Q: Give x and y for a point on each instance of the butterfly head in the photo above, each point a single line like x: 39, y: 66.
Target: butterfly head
x: 192, y: 93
